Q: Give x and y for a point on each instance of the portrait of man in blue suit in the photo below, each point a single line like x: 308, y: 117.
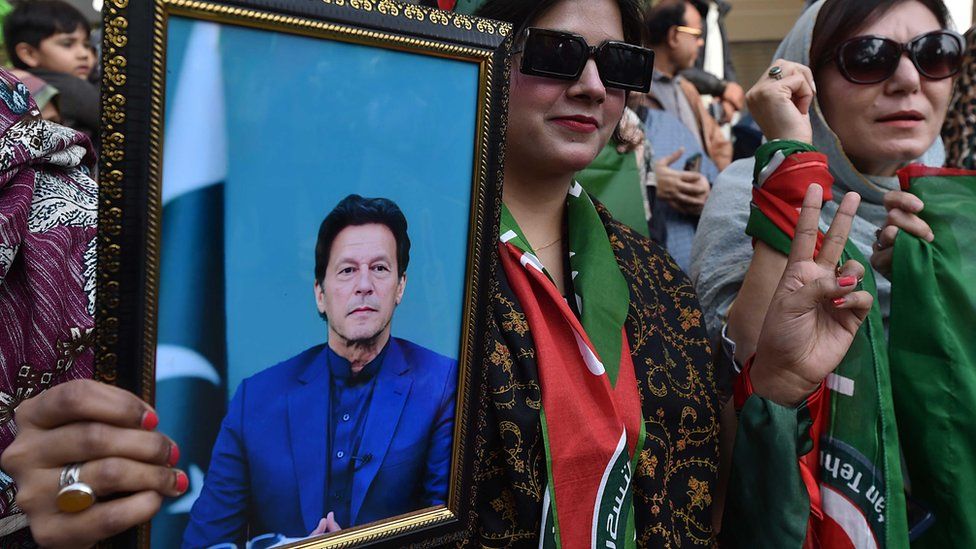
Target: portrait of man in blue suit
x: 350, y: 431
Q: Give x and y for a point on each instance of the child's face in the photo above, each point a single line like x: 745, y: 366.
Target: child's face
x: 65, y: 52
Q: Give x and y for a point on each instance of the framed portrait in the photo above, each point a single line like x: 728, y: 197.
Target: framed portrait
x: 298, y: 213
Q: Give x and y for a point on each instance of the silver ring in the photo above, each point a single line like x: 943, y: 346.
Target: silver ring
x: 776, y: 72
x: 878, y: 244
x: 69, y: 474
x: 73, y: 496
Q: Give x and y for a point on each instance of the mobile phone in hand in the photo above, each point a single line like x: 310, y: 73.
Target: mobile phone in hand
x: 693, y: 164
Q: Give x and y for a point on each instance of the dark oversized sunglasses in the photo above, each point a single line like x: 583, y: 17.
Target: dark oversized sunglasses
x: 563, y: 55
x: 873, y: 59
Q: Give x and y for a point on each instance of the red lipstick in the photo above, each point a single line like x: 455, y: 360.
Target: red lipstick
x: 578, y: 123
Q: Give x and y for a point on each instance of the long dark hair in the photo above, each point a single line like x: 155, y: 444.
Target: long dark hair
x: 839, y: 20
x: 522, y: 13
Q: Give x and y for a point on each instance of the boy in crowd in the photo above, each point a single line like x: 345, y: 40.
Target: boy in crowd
x: 50, y: 39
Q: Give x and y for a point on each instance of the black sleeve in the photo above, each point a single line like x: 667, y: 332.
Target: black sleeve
x: 705, y: 82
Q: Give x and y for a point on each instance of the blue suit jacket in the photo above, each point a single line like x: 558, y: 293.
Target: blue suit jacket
x: 268, y: 470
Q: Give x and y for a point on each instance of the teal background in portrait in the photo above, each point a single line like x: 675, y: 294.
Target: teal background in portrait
x: 343, y: 119
x: 310, y: 121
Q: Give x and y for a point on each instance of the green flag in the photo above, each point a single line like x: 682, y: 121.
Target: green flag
x: 933, y: 352
x: 613, y: 179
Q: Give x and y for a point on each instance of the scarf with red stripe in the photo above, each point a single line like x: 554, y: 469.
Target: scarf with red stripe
x: 591, y: 409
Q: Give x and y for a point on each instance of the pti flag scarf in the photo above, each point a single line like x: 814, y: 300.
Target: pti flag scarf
x: 845, y: 438
x: 591, y: 410
x: 933, y: 352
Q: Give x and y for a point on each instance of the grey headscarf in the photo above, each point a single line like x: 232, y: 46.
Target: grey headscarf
x: 722, y: 251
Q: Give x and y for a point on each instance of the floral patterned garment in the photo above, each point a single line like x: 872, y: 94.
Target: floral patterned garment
x: 678, y: 465
x: 48, y: 217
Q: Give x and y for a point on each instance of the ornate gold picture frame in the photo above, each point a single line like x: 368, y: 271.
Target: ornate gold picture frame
x: 231, y: 129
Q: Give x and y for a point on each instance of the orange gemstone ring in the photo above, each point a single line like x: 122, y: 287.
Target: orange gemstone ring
x: 73, y: 496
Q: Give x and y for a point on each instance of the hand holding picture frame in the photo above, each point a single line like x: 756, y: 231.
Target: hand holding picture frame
x: 216, y: 269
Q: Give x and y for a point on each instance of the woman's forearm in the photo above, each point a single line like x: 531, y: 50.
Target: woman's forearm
x: 748, y: 311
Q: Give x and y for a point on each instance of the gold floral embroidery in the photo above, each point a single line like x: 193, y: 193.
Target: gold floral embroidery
x: 647, y: 464
x: 690, y: 318
x: 517, y: 324
x: 675, y: 371
x: 699, y: 493
x: 501, y: 357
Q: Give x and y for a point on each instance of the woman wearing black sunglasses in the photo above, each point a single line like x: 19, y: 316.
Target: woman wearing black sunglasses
x: 860, y: 90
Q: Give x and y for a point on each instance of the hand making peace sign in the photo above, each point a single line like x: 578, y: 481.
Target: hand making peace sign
x: 815, y: 311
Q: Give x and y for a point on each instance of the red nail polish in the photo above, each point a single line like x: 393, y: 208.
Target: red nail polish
x: 174, y: 456
x: 149, y: 420
x: 840, y: 301
x: 846, y: 281
x: 182, y: 482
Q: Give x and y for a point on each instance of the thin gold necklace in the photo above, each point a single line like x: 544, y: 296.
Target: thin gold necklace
x: 540, y: 248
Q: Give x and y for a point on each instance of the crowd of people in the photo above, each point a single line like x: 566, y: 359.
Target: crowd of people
x: 734, y: 367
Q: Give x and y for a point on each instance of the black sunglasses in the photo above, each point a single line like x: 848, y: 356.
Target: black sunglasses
x: 563, y: 55
x: 873, y: 59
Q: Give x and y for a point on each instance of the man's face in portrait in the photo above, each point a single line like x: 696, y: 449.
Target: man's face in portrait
x: 361, y: 288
